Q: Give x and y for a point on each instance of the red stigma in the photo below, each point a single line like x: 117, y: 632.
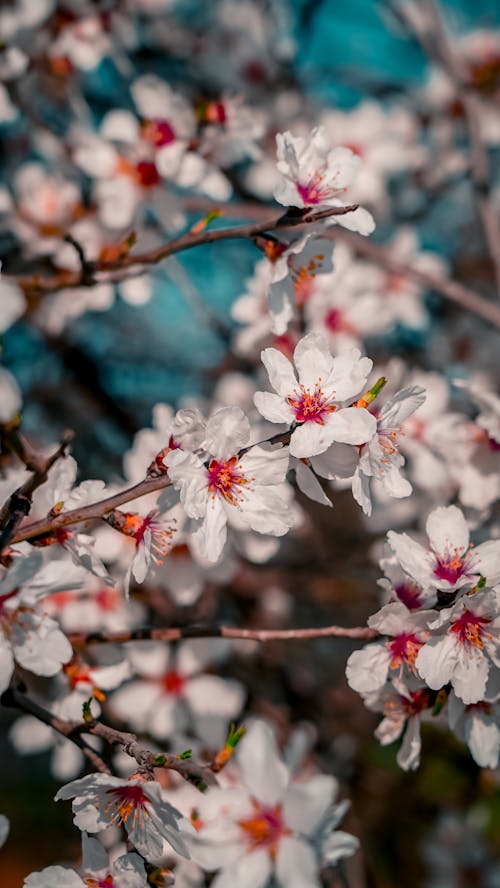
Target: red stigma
x: 147, y: 174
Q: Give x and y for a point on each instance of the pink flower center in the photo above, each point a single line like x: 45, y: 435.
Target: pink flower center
x: 225, y: 479
x: 129, y: 801
x: 315, y: 191
x: 147, y: 174
x: 419, y: 700
x: 264, y: 828
x: 469, y: 629
x: 158, y: 132
x: 173, y: 683
x: 450, y: 568
x: 409, y: 595
x: 311, y: 406
x: 404, y: 649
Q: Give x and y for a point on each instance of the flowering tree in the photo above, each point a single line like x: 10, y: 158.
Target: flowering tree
x: 137, y: 610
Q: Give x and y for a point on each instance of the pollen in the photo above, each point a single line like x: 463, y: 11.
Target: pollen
x: 404, y: 648
x: 226, y: 479
x: 264, y: 828
x: 450, y: 568
x: 469, y: 629
x: 311, y: 406
x: 128, y: 802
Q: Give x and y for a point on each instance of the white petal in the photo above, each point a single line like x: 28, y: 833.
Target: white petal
x: 447, y: 530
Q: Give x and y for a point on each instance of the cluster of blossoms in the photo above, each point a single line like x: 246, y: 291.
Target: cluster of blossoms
x: 441, y: 656
x: 221, y: 490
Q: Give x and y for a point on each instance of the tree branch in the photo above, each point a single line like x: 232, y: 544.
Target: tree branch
x: 436, y: 43
x: 82, y: 639
x: 199, y: 775
x: 68, y: 279
x: 19, y: 503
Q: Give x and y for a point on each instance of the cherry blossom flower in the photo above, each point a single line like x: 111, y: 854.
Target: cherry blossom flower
x: 448, y: 563
x: 173, y: 693
x: 269, y: 828
x: 477, y: 725
x: 403, y: 708
x: 100, y: 800
x: 27, y: 635
x: 317, y: 400
x: 250, y: 485
x: 126, y: 871
x: 369, y: 669
x: 314, y: 174
x: 380, y: 457
x: 464, y: 642
x: 153, y: 540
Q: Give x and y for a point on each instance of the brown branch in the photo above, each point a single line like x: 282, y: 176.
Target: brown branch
x: 81, y: 639
x: 14, y: 698
x: 380, y: 255
x: 199, y: 775
x: 436, y: 43
x: 103, y: 507
x: 69, y: 279
x: 19, y: 503
x: 451, y: 290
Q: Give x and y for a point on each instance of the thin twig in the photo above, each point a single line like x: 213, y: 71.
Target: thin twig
x: 19, y: 503
x: 98, y: 510
x: 14, y: 698
x: 82, y: 639
x: 69, y: 279
x: 435, y: 41
x: 199, y: 775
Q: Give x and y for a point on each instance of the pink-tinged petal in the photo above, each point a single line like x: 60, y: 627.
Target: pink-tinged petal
x: 267, y: 510
x: 313, y: 360
x: 339, y: 461
x: 470, y: 675
x: 337, y: 845
x: 142, y: 559
x: 483, y: 739
x: 262, y: 771
x: 309, y: 485
x: 296, y: 864
x: 213, y: 695
x: 413, y: 558
x: 281, y: 305
x: 267, y: 464
x: 228, y: 430
x: 273, y: 408
x: 401, y: 406
x: 361, y: 491
x: 447, y: 531
x: 436, y: 661
x: 54, y: 877
x: 390, y: 729
x: 280, y: 371
x: 359, y: 220
x: 252, y: 870
x: 366, y: 669
x: 212, y: 534
x: 305, y: 804
x: 310, y: 439
x: 167, y: 718
x: 408, y: 757
x: 486, y: 561
x: 189, y: 475
x: 349, y: 374
x: 352, y: 425
x: 6, y: 664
